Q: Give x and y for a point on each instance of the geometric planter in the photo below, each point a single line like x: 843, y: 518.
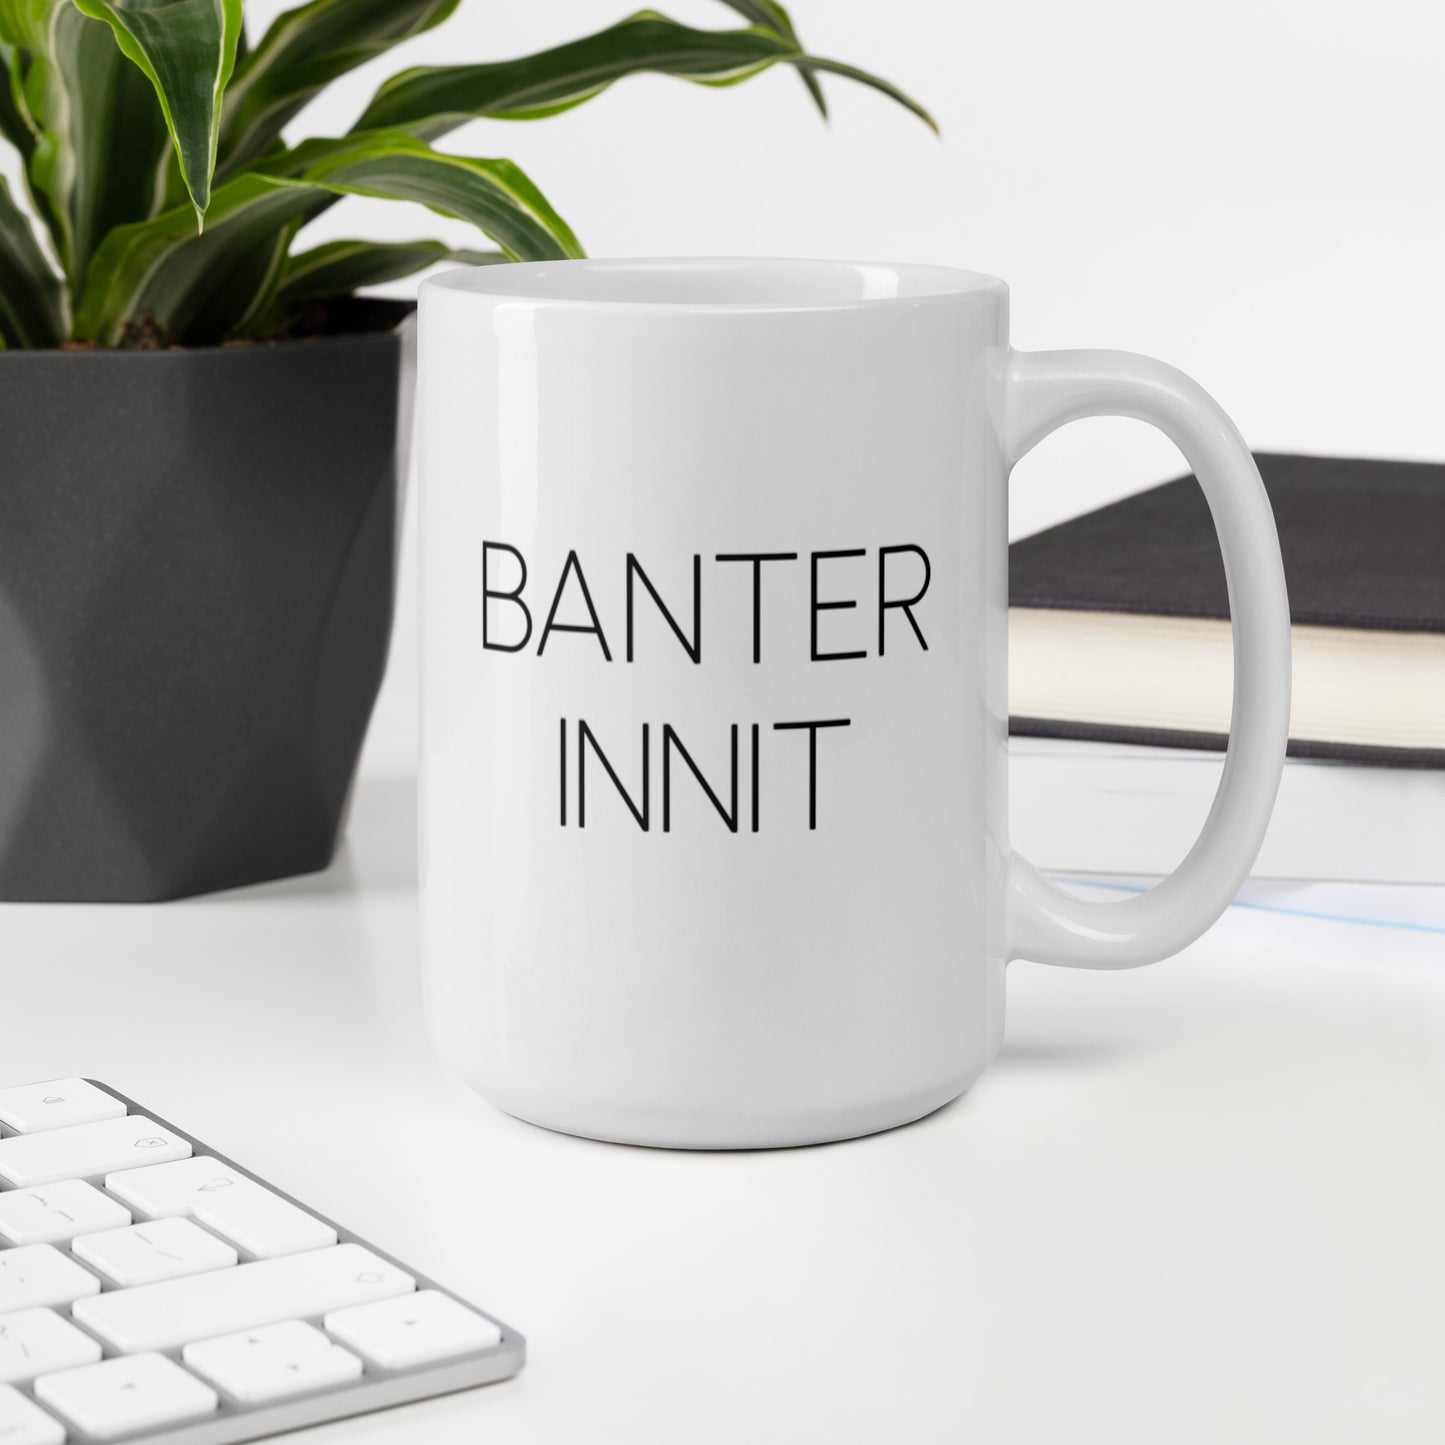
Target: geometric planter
x: 196, y: 578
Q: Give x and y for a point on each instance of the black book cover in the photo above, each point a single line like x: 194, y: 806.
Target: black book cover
x: 1363, y: 543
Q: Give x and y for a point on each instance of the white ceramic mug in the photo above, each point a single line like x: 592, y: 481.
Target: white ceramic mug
x: 714, y: 757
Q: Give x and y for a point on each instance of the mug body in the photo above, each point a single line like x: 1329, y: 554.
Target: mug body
x: 713, y: 693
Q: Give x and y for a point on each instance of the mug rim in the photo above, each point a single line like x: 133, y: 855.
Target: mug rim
x: 622, y: 283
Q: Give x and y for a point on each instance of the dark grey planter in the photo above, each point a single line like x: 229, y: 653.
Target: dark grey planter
x: 196, y: 575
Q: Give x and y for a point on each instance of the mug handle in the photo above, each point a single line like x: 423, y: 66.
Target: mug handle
x: 1043, y: 391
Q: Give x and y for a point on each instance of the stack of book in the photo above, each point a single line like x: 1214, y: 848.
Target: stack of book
x: 1121, y: 675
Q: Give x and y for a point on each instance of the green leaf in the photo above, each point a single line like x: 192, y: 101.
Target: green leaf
x: 341, y: 267
x: 494, y: 195
x: 31, y: 309
x: 187, y: 50
x: 159, y: 276
x: 14, y: 124
x: 23, y: 22
x: 431, y: 100
x: 100, y: 135
x: 303, y: 51
x: 774, y: 17
x: 873, y: 82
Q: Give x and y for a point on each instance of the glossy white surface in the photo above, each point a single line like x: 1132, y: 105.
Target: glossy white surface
x: 828, y: 961
x: 808, y: 943
x: 1044, y: 391
x: 1222, y: 1169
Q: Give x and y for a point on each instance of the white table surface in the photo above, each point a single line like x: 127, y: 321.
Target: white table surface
x: 1199, y: 1202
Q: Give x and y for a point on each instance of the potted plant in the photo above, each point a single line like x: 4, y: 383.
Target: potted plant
x: 198, y: 420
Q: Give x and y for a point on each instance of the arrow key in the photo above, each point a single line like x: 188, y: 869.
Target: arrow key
x: 266, y: 1342
x: 412, y: 1329
x: 273, y: 1362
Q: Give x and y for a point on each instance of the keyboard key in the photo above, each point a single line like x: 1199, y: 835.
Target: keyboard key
x: 250, y: 1216
x: 56, y: 1105
x: 269, y: 1342
x: 56, y: 1213
x: 39, y: 1275
x: 25, y: 1423
x: 87, y: 1150
x: 39, y: 1342
x: 151, y: 1291
x: 417, y: 1329
x: 252, y: 1375
x: 145, y: 1253
x: 122, y: 1396
x: 164, y: 1316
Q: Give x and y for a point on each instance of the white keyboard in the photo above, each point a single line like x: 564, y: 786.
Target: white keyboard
x: 151, y: 1290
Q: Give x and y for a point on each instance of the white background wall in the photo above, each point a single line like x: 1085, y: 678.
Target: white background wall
x: 1252, y: 189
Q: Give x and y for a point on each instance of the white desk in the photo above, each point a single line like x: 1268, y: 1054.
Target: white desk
x: 1203, y: 1202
